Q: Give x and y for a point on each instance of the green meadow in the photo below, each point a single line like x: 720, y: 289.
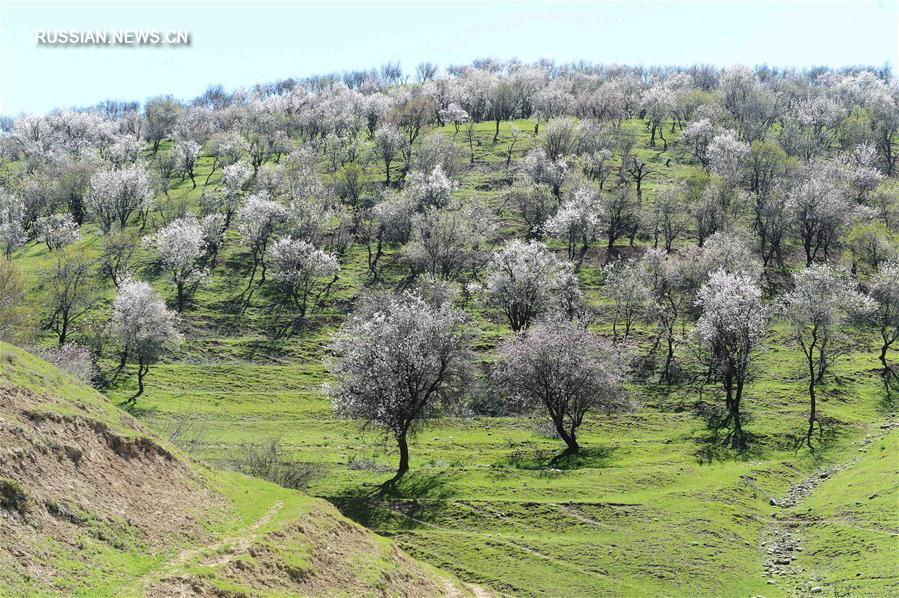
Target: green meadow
x: 654, y: 505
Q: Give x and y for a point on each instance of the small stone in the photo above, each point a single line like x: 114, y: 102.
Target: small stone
x: 771, y: 582
x: 816, y: 590
x: 772, y: 502
x: 875, y: 495
x: 74, y: 453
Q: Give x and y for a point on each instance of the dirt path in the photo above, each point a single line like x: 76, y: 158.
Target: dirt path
x: 780, y: 540
x: 240, y: 543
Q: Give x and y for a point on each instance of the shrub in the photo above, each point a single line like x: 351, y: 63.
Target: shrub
x: 270, y: 462
x: 74, y: 359
x: 13, y: 496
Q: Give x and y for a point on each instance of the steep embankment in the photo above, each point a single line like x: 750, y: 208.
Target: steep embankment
x: 90, y: 503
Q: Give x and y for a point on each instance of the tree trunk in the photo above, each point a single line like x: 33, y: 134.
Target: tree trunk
x: 180, y: 287
x: 569, y: 438
x: 883, y: 354
x: 812, y: 415
x: 404, y: 456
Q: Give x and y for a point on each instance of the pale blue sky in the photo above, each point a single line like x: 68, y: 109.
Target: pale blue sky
x: 240, y: 43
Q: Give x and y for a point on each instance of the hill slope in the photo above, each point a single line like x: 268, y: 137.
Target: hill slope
x: 91, y: 503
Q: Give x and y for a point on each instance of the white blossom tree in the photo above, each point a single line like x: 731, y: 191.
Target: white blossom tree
x: 540, y: 168
x: 181, y: 246
x: 12, y: 222
x: 526, y: 281
x: 449, y: 243
x: 116, y: 195
x: 561, y: 367
x: 819, y: 212
x: 236, y: 178
x: 143, y: 326
x: 817, y: 308
x: 257, y: 220
x: 578, y: 222
x: 57, y: 230
x: 187, y: 154
x: 535, y: 202
x: 399, y: 360
x: 299, y: 270
x: 730, y: 329
x: 696, y: 138
x: 432, y: 189
x: 727, y: 156
x: 884, y: 315
x: 668, y: 217
x: 388, y: 141
x: 625, y: 283
x: 454, y: 115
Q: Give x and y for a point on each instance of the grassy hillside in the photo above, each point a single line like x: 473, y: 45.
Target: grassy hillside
x: 93, y: 505
x: 654, y: 505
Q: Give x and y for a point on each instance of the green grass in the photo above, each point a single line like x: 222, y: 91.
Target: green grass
x: 653, y: 506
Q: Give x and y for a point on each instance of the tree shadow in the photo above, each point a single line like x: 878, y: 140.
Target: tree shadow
x: 546, y: 459
x: 890, y: 380
x: 724, y: 439
x: 823, y: 435
x: 411, y: 502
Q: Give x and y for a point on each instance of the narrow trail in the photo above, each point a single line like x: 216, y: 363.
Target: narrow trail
x: 240, y: 543
x: 780, y: 540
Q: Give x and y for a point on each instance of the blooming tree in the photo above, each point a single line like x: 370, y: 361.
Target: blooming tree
x: 578, y: 222
x: 819, y: 212
x: 454, y: 115
x: 181, y: 246
x: 884, y: 292
x: 561, y: 367
x: 625, y: 283
x: 448, y: 243
x: 299, y: 269
x: 144, y: 327
x: 388, y: 141
x: 399, y: 360
x: 730, y: 329
x: 187, y: 154
x: 57, y: 230
x: 727, y: 155
x: 12, y: 222
x: 116, y: 195
x: 526, y: 280
x: 434, y: 189
x: 696, y: 138
x: 819, y: 306
x: 256, y: 222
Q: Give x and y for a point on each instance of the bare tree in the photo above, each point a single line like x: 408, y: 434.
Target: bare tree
x: 71, y: 292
